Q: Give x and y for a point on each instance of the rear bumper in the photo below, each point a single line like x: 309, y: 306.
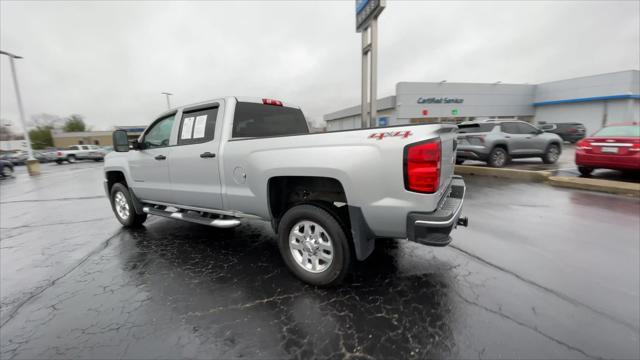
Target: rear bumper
x: 616, y: 162
x: 434, y: 228
x: 472, y: 152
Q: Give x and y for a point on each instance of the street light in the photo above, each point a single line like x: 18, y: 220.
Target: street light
x: 33, y: 166
x: 167, y: 94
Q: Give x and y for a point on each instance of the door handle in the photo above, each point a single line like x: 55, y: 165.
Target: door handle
x: 508, y: 137
x: 207, y: 155
x: 160, y: 157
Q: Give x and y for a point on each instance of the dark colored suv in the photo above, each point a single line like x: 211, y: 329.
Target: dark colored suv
x: 571, y: 132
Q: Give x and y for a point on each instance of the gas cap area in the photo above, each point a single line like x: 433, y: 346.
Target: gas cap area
x: 239, y: 175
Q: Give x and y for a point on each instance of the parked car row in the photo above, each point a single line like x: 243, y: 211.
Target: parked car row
x: 71, y: 154
x: 615, y: 146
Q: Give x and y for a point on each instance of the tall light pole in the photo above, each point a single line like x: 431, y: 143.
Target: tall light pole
x: 33, y: 166
x: 168, y: 103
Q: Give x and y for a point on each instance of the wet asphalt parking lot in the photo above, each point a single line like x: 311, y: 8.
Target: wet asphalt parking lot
x: 541, y: 272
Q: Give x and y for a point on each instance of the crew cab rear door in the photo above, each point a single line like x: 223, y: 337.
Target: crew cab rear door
x: 194, y: 161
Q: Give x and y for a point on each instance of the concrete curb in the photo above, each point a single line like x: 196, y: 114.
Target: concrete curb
x: 527, y: 175
x: 607, y: 186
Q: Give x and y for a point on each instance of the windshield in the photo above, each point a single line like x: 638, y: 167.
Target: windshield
x: 619, y: 131
x: 258, y: 120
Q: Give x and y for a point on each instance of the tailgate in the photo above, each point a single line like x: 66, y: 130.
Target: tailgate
x: 448, y: 146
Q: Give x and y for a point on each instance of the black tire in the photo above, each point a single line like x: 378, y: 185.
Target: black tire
x: 133, y: 219
x: 71, y: 159
x: 552, y: 154
x: 585, y: 171
x: 498, y: 157
x: 7, y: 171
x: 58, y: 162
x: 341, y: 250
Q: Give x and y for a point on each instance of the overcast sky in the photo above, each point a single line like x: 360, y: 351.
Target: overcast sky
x: 110, y: 61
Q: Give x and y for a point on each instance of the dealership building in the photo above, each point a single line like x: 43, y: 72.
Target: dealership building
x: 63, y: 139
x: 591, y: 100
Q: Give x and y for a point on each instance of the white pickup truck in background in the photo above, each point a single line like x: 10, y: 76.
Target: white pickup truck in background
x: 79, y: 152
x: 327, y: 195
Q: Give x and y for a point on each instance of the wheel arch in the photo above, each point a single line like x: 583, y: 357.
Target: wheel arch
x: 284, y: 192
x: 114, y: 176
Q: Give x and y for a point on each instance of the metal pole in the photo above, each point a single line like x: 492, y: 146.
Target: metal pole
x: 365, y: 77
x: 168, y: 103
x: 24, y: 125
x: 374, y: 73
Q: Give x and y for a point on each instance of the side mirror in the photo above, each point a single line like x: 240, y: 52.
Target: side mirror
x: 120, y: 141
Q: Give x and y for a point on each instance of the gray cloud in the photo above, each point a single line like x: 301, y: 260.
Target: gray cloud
x: 110, y: 61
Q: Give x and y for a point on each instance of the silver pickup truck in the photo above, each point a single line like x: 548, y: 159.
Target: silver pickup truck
x: 327, y: 195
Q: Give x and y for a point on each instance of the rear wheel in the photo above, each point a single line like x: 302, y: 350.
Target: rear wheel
x: 552, y: 154
x: 585, y: 171
x: 58, y: 162
x: 314, y: 245
x: 498, y: 157
x: 7, y: 171
x: 122, y: 206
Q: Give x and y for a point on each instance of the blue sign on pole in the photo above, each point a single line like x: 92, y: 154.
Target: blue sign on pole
x: 383, y: 121
x: 360, y: 4
x: 367, y: 10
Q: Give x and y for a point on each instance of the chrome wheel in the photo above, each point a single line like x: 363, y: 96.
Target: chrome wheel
x: 311, y: 246
x: 499, y: 158
x: 121, y: 205
x: 71, y: 159
x: 553, y: 154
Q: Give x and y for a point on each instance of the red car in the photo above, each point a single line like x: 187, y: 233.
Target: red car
x: 616, y: 146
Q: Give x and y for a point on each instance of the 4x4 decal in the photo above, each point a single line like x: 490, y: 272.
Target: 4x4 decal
x: 382, y: 135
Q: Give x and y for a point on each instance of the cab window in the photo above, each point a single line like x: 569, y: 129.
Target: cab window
x: 527, y: 129
x: 159, y: 133
x: 509, y: 128
x: 198, y: 126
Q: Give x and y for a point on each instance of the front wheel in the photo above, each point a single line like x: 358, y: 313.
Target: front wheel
x: 552, y: 154
x: 314, y: 245
x: 122, y: 206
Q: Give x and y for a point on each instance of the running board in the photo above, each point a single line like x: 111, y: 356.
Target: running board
x: 194, y: 218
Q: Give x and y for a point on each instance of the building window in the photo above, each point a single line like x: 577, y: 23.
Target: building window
x: 96, y: 142
x: 80, y: 142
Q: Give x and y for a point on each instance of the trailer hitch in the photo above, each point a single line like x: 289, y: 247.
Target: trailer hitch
x: 463, y: 221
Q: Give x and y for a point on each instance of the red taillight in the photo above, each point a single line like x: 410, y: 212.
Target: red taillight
x: 272, y: 102
x: 422, y: 166
x: 583, y: 145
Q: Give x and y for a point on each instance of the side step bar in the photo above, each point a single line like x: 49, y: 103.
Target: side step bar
x: 192, y: 216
